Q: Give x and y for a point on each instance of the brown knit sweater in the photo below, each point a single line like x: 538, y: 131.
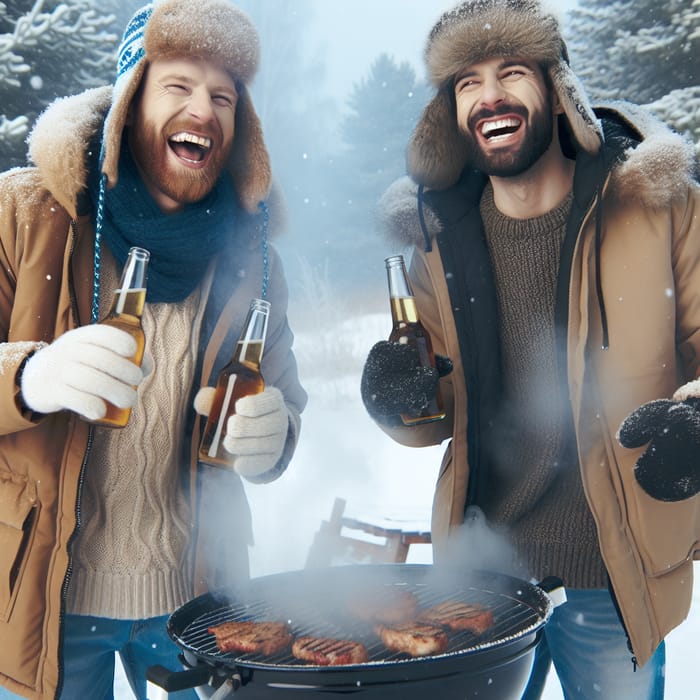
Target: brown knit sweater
x: 536, y: 493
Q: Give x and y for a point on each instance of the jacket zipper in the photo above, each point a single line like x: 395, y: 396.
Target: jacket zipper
x: 69, y: 570
x: 81, y: 480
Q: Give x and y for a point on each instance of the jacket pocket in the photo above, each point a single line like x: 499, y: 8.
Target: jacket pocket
x: 18, y: 516
x: 667, y: 534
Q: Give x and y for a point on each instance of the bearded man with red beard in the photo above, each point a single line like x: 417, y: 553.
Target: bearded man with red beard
x: 107, y: 531
x: 555, y: 251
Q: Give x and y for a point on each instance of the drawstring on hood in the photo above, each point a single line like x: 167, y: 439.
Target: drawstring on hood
x: 598, y: 281
x: 421, y: 218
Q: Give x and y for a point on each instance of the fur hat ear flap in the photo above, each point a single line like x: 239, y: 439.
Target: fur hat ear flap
x: 585, y: 127
x: 249, y: 162
x: 437, y: 152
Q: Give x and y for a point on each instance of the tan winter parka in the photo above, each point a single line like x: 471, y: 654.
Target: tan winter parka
x: 46, y: 282
x: 649, y: 255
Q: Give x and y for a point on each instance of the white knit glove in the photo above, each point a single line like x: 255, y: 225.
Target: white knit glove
x: 81, y: 370
x: 256, y: 433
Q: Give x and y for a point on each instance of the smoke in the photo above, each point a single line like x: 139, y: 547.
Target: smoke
x: 476, y: 546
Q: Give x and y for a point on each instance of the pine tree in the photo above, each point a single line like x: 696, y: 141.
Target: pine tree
x: 384, y: 108
x: 641, y: 50
x: 48, y: 49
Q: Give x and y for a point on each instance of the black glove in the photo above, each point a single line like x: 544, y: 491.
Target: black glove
x: 669, y: 469
x: 394, y: 382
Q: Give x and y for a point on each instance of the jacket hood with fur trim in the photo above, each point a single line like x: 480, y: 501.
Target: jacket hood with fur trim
x: 657, y: 169
x: 59, y: 146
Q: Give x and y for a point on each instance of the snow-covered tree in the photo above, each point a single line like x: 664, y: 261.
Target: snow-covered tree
x: 49, y: 49
x: 641, y: 50
x: 681, y: 110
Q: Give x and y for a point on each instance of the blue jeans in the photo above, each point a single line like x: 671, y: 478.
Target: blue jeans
x: 586, y: 642
x: 90, y: 644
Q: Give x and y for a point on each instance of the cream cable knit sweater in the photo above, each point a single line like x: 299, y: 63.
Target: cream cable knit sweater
x: 130, y: 556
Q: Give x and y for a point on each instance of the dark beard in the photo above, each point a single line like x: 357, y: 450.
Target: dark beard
x: 184, y: 185
x: 509, y: 162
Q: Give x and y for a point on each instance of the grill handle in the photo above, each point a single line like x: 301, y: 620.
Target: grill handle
x: 172, y: 681
x: 554, y: 587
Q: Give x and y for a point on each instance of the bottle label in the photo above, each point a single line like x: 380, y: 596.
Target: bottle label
x: 214, y: 447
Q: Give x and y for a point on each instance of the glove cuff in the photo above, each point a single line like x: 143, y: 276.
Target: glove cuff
x: 691, y: 390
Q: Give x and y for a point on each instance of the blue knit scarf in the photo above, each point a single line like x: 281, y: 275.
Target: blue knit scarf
x: 181, y: 244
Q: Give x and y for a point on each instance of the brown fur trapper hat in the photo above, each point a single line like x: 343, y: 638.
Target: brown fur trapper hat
x: 213, y: 30
x: 474, y: 31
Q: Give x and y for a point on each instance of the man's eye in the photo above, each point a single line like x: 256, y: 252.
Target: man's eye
x: 223, y: 100
x: 513, y: 74
x: 177, y: 87
x: 466, y: 84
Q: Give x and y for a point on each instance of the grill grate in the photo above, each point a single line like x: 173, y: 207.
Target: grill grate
x: 513, y: 616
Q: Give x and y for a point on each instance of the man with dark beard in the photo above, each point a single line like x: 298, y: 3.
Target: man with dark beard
x: 555, y: 252
x: 103, y: 530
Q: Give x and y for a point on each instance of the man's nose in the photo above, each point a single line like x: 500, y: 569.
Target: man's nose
x: 200, y: 105
x: 492, y: 91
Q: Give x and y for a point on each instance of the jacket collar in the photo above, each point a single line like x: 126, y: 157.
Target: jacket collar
x: 59, y: 143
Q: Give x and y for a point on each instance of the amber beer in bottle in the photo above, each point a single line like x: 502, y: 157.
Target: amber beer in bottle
x: 407, y: 328
x: 125, y: 313
x: 240, y: 377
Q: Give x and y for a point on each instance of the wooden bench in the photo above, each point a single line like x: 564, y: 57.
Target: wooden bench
x: 362, y: 539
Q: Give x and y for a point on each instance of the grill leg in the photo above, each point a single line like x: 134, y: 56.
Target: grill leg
x: 153, y: 692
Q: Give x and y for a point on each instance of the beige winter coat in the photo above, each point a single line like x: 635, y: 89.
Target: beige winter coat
x: 46, y: 280
x: 650, y: 277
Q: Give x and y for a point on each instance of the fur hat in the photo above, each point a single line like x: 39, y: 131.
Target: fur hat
x: 213, y: 30
x: 474, y: 31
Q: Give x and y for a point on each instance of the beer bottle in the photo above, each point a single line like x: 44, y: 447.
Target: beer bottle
x: 125, y: 313
x: 240, y: 377
x: 407, y: 328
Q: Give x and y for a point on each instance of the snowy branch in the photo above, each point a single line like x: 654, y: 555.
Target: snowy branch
x: 13, y: 128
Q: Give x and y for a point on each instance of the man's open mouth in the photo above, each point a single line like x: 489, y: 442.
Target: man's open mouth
x: 190, y: 147
x: 499, y: 128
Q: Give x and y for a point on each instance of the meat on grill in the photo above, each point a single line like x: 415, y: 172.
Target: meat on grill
x: 384, y: 605
x: 264, y: 637
x: 413, y: 638
x: 324, y: 651
x: 458, y: 616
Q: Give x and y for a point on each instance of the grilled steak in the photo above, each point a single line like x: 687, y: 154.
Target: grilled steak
x: 413, y: 638
x: 250, y: 637
x: 386, y: 605
x: 458, y: 616
x: 323, y: 651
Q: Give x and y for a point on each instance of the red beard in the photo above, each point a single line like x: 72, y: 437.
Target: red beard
x: 154, y: 157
